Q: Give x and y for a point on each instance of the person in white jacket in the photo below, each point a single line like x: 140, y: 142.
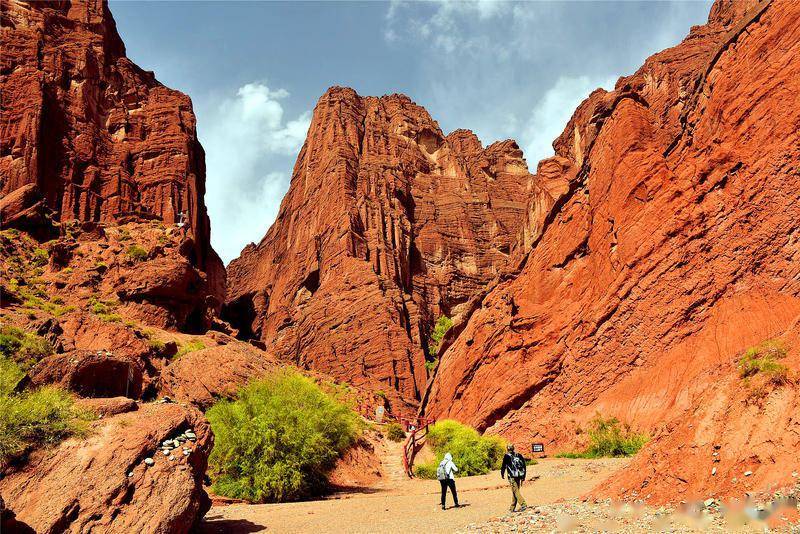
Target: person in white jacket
x: 446, y: 473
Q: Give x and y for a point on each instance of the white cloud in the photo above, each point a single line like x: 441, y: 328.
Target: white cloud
x: 249, y: 151
x: 552, y: 112
x: 444, y: 28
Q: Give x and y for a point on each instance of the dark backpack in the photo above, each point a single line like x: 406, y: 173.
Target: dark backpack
x: 516, y: 467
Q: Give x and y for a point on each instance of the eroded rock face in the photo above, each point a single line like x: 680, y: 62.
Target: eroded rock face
x: 661, y: 242
x: 50, y: 493
x: 387, y: 225
x: 102, y: 139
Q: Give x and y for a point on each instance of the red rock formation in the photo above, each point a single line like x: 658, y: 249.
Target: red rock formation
x: 103, y: 484
x: 101, y: 138
x: 661, y: 241
x: 387, y: 225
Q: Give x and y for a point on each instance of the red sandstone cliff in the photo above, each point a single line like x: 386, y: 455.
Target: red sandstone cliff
x: 387, y: 225
x: 660, y: 242
x: 100, y: 138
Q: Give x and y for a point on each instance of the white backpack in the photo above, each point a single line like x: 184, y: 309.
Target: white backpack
x: 441, y: 472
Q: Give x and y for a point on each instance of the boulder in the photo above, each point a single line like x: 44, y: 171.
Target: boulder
x: 90, y: 373
x: 203, y: 376
x: 101, y: 483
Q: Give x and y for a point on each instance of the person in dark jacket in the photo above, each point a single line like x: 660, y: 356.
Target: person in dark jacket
x: 514, y: 466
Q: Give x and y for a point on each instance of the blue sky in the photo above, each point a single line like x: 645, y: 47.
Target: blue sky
x: 255, y: 70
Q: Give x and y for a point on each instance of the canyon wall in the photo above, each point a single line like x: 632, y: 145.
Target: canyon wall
x: 661, y: 241
x: 98, y: 138
x: 387, y: 225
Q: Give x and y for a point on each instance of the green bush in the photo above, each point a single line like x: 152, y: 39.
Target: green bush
x: 430, y: 365
x: 23, y: 348
x: 395, y: 432
x: 278, y: 439
x: 34, y: 418
x: 137, y: 253
x: 426, y: 470
x: 763, y: 359
x: 608, y: 438
x: 443, y: 324
x: 472, y: 453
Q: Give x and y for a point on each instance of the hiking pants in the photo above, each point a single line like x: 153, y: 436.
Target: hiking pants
x: 449, y: 483
x: 516, y: 494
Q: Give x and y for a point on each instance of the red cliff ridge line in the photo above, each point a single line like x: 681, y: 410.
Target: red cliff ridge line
x: 387, y: 225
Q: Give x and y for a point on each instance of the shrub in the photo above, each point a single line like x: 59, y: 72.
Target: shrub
x: 763, y: 359
x: 23, y: 348
x: 34, y: 418
x: 395, y: 432
x: 472, y: 453
x: 191, y: 346
x: 427, y: 470
x: 40, y: 257
x: 430, y: 365
x: 608, y: 438
x: 443, y: 324
x: 136, y: 253
x: 278, y: 439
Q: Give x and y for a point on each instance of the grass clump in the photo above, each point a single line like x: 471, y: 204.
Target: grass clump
x: 40, y: 257
x: 191, y: 346
x: 472, y: 453
x: 394, y: 432
x: 104, y: 310
x: 35, y: 418
x: 443, y: 324
x: 609, y: 438
x: 22, y: 348
x: 762, y: 359
x: 278, y: 439
x: 136, y: 253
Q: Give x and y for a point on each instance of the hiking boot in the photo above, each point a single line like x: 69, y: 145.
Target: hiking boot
x: 523, y: 508
x: 444, y: 507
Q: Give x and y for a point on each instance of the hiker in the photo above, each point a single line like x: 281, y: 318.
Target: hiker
x: 514, y: 467
x: 446, y: 473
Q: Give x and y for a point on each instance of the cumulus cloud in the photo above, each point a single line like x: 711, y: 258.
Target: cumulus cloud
x: 249, y: 148
x: 552, y: 112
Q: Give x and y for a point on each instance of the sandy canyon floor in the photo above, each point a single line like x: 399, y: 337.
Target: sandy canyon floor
x: 399, y: 504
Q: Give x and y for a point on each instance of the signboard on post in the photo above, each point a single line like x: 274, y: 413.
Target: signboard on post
x: 538, y: 449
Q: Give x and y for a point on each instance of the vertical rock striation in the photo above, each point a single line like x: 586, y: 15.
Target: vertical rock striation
x: 101, y: 138
x: 387, y: 225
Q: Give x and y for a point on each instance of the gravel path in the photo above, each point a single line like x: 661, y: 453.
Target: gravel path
x: 402, y: 505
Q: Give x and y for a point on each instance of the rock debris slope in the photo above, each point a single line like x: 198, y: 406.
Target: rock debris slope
x: 387, y: 225
x: 662, y: 241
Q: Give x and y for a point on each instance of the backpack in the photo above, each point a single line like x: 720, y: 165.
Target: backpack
x: 516, y: 468
x: 441, y: 472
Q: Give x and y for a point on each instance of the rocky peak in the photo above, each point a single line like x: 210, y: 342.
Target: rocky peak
x: 387, y: 225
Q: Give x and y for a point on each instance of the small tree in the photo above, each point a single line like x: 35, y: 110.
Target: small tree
x: 443, y: 324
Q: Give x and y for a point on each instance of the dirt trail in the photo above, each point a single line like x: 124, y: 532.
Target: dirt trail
x: 399, y: 504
